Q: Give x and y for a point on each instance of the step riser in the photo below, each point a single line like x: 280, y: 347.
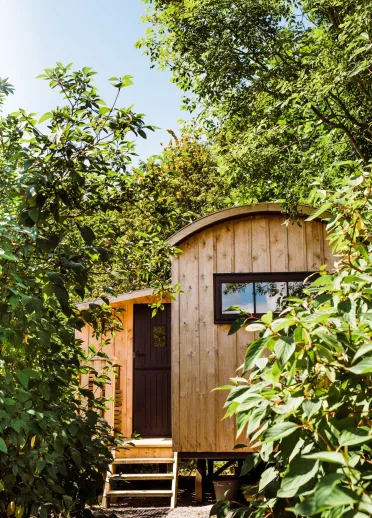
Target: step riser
x: 165, y: 460
x: 143, y: 476
x: 144, y: 452
x: 143, y: 493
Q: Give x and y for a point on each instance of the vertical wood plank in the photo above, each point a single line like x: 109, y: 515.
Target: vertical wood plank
x: 278, y: 244
x: 208, y: 344
x: 128, y: 407
x: 227, y: 361
x: 314, y: 245
x: 243, y: 246
x: 260, y: 244
x: 120, y: 353
x: 189, y: 351
x: 297, y: 261
x: 329, y: 259
x: 242, y: 264
x: 176, y: 359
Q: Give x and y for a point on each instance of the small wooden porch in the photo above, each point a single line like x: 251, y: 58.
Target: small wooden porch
x: 149, y: 454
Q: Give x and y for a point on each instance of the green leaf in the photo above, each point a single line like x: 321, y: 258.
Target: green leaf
x: 254, y: 351
x: 364, y: 349
x: 267, y: 476
x: 45, y: 117
x: 76, y: 457
x: 282, y: 323
x: 3, y: 446
x: 255, y: 327
x: 323, y: 208
x: 126, y: 81
x: 363, y: 367
x: 62, y: 295
x: 267, y: 318
x: 323, y: 280
x: 311, y: 407
x: 334, y: 457
x: 34, y: 214
x: 278, y: 431
x: 104, y: 110
x: 87, y: 234
x: 352, y: 436
x: 236, y: 325
x: 8, y: 256
x: 250, y: 463
x: 300, y: 473
x: 284, y: 348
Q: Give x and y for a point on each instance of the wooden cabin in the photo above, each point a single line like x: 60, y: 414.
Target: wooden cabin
x: 170, y: 364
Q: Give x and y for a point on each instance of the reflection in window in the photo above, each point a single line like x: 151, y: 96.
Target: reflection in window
x: 270, y: 296
x: 258, y: 297
x: 295, y: 289
x: 255, y: 293
x: 237, y: 294
x: 158, y: 336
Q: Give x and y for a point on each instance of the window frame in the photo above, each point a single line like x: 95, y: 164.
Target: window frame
x: 226, y: 278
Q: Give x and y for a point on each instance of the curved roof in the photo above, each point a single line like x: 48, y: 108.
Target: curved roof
x: 232, y: 213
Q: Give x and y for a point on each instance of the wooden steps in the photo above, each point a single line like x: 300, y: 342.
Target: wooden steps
x: 141, y: 493
x: 142, y: 476
x: 158, y: 460
x: 145, y: 452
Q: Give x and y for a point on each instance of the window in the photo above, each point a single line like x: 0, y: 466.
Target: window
x: 255, y: 293
x: 158, y: 336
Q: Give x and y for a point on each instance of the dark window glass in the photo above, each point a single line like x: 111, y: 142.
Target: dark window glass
x: 158, y: 336
x: 254, y: 293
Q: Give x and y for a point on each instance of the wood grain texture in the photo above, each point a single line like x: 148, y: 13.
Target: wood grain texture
x: 257, y: 243
x: 189, y: 338
x: 227, y: 360
x: 175, y: 358
x: 230, y: 214
x: 203, y: 355
x: 121, y: 347
x: 207, y: 342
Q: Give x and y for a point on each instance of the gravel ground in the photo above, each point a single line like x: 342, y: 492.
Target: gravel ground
x: 158, y: 512
x: 139, y: 508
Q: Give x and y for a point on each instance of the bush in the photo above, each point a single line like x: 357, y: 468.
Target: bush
x: 306, y: 398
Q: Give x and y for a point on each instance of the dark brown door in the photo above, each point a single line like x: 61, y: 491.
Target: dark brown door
x: 152, y: 372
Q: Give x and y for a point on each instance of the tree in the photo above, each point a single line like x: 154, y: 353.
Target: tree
x: 56, y: 174
x: 167, y: 192
x: 284, y: 85
x: 306, y: 402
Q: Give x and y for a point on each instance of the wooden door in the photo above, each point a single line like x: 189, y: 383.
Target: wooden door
x: 152, y: 372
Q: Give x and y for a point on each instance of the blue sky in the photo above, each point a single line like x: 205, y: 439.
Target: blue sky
x: 37, y: 33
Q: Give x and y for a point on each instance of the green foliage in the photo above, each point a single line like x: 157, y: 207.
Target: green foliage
x: 167, y: 192
x: 54, y: 445
x: 283, y: 87
x: 306, y: 399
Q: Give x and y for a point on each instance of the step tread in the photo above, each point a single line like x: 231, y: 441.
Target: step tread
x: 142, y: 492
x: 158, y: 460
x: 142, y: 476
x: 149, y: 443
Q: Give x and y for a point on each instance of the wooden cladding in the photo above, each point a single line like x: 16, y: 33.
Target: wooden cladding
x: 121, y: 348
x: 204, y: 356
